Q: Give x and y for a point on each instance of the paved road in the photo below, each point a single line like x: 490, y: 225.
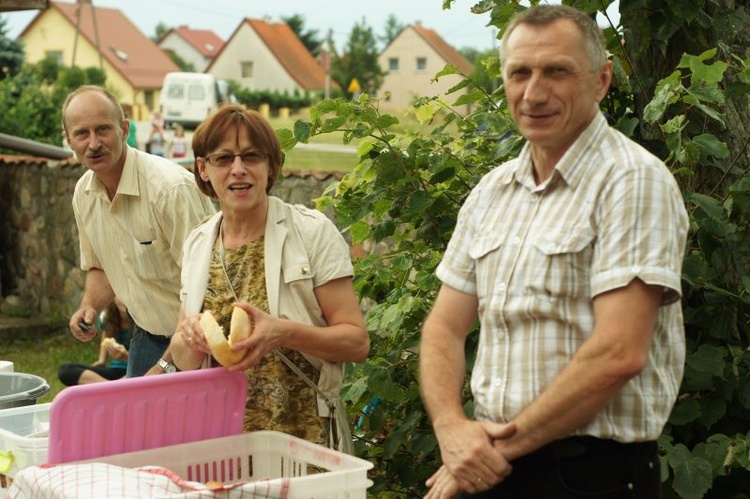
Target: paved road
x: 143, y: 128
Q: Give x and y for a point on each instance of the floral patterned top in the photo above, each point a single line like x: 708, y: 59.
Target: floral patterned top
x: 277, y: 399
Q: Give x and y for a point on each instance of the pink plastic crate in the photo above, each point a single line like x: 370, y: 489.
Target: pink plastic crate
x: 135, y: 414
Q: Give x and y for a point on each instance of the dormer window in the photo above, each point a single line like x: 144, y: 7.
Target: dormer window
x: 119, y: 53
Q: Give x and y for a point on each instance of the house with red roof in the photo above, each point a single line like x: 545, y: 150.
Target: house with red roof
x: 411, y: 61
x: 79, y: 34
x: 194, y: 46
x: 268, y: 55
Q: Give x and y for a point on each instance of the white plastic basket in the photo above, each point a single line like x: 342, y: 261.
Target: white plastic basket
x: 24, y: 432
x: 314, y: 471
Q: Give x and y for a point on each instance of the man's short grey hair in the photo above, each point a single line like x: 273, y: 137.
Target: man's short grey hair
x: 542, y: 15
x: 116, y: 107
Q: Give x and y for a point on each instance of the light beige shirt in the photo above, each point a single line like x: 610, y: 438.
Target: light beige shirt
x: 136, y: 238
x: 536, y: 255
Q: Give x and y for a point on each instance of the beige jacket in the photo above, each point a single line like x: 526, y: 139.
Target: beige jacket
x: 303, y: 250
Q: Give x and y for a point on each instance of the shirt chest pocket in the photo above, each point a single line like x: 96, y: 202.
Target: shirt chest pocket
x: 564, y: 262
x: 487, y: 253
x: 152, y: 257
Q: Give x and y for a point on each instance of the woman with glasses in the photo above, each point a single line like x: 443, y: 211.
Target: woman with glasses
x: 285, y: 265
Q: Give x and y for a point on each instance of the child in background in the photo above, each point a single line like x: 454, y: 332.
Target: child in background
x: 116, y: 326
x: 156, y: 139
x: 178, y: 146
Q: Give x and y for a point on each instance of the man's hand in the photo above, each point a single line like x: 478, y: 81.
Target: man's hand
x: 469, y: 456
x: 81, y: 324
x: 442, y: 485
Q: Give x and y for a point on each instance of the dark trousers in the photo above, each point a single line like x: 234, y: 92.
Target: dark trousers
x: 583, y: 467
x: 70, y: 373
x: 145, y: 351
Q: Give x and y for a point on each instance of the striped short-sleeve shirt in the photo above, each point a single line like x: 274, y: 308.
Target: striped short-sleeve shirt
x: 136, y: 238
x: 536, y: 255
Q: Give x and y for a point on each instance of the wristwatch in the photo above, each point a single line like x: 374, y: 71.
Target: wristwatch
x: 168, y: 367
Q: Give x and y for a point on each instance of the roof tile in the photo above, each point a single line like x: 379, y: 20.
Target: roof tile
x: 204, y: 41
x: 451, y: 55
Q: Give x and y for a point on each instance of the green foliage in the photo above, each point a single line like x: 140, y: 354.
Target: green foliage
x: 160, y: 30
x: 402, y: 198
x: 486, y: 67
x: 706, y: 440
x: 32, y: 99
x: 359, y: 60
x: 11, y: 53
x: 391, y: 29
x: 274, y: 98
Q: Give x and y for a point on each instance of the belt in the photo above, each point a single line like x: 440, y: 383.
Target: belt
x: 587, y: 445
x: 156, y: 337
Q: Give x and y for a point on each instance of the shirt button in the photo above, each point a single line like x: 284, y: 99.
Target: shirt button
x: 497, y: 383
x: 304, y: 270
x: 635, y: 269
x: 516, y: 240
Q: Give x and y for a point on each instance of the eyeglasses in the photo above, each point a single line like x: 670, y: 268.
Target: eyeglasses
x: 224, y: 159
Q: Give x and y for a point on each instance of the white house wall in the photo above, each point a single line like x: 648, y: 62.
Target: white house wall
x: 407, y: 83
x: 268, y: 73
x: 186, y: 51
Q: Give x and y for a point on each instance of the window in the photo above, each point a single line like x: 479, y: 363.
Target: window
x: 176, y: 91
x: 421, y: 63
x: 56, y: 55
x: 196, y: 92
x: 247, y: 69
x: 393, y: 64
x: 123, y: 56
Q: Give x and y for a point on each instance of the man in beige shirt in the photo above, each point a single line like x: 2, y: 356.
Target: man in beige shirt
x: 133, y: 212
x: 570, y: 256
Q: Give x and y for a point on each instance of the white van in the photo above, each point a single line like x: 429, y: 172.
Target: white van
x: 187, y: 98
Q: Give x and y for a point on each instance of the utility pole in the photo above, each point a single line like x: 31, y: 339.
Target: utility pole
x: 79, y: 11
x: 327, y: 49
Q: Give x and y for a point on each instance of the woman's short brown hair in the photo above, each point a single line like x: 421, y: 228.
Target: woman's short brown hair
x: 231, y: 118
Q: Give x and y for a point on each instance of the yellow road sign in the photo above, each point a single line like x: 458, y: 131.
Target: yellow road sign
x: 354, y: 86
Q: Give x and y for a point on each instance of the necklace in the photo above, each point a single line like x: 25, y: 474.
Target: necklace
x: 221, y: 257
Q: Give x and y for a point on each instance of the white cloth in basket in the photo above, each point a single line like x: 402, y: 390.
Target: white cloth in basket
x: 74, y: 481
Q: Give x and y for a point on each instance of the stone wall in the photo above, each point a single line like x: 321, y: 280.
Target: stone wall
x: 39, y: 254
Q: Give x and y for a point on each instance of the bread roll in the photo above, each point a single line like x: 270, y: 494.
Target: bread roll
x: 239, y: 329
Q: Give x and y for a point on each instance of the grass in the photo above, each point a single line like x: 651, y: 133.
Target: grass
x: 315, y: 159
x: 42, y: 356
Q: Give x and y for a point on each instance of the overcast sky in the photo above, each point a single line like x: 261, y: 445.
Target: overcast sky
x: 458, y: 26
